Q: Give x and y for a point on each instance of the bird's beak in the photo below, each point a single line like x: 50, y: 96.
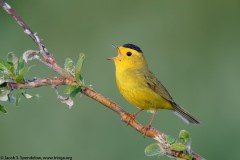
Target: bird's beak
x: 114, y: 46
x: 117, y: 50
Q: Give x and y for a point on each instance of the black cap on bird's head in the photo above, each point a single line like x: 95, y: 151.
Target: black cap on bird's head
x: 132, y: 46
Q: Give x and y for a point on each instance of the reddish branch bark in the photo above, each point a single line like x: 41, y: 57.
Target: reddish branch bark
x: 41, y: 82
x: 69, y: 80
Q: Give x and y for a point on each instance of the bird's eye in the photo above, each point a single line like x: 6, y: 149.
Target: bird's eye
x: 129, y: 53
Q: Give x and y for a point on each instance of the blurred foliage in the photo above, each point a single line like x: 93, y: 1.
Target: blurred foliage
x: 153, y: 150
x: 182, y: 144
x: 191, y: 46
x: 12, y: 70
x: 74, y: 70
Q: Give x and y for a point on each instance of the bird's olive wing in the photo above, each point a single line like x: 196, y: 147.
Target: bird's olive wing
x: 153, y: 83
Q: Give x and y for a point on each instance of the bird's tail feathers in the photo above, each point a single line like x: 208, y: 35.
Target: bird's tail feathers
x: 184, y: 115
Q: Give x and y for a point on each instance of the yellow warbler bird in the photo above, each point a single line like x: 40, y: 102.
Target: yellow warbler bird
x: 140, y: 86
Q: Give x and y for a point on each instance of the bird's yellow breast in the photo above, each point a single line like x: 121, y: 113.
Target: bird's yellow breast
x: 132, y: 85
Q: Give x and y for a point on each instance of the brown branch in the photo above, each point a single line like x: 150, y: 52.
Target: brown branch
x: 69, y: 80
x: 40, y: 82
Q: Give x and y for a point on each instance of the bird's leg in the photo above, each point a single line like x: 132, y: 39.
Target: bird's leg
x: 148, y: 127
x: 133, y: 116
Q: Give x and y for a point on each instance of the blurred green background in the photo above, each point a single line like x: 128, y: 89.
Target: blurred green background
x: 192, y: 47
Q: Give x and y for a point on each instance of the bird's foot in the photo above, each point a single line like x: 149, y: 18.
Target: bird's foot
x: 148, y: 127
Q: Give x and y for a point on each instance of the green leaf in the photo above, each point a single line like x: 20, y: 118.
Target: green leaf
x: 69, y: 65
x: 21, y: 64
x: 72, y: 91
x: 79, y: 67
x: 19, y: 93
x: 190, y: 157
x: 81, y: 78
x: 18, y: 99
x: 178, y: 147
x: 183, y: 134
x: 5, y: 67
x: 152, y: 150
x: 2, y: 109
x: 13, y: 60
x: 21, y: 74
x: 69, y: 89
x: 75, y: 92
x: 12, y: 70
x: 170, y: 139
x: 4, y: 64
x: 21, y: 70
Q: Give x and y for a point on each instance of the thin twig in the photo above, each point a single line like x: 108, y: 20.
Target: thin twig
x: 69, y: 80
